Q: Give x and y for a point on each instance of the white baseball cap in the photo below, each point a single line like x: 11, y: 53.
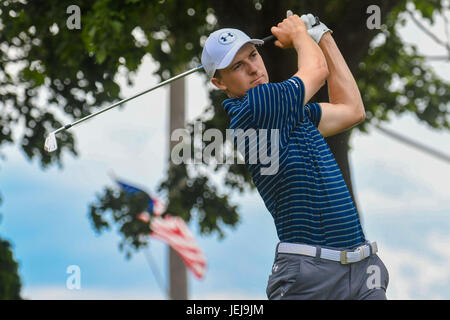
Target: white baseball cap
x: 221, y: 47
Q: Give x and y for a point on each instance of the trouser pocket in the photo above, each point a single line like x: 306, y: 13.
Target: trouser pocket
x: 285, y: 271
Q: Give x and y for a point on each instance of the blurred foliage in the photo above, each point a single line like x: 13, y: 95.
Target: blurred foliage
x: 197, y: 194
x: 394, y: 78
x: 10, y: 283
x: 123, y: 209
x: 50, y: 75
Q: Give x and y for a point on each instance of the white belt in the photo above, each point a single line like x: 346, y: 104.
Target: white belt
x: 342, y: 256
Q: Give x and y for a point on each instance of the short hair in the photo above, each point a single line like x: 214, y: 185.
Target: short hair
x: 217, y: 74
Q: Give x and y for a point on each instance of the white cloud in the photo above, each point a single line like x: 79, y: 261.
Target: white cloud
x: 440, y: 245
x: 416, y: 273
x: 390, y: 177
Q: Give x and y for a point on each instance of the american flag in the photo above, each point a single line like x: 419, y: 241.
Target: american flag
x: 172, y: 230
x: 175, y: 232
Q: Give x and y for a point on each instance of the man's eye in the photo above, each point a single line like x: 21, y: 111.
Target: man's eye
x: 236, y: 66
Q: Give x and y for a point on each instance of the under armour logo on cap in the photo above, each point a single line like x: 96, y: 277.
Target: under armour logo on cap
x: 221, y: 47
x: 226, y: 38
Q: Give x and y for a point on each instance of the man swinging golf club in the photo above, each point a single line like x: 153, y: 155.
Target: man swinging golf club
x: 322, y: 253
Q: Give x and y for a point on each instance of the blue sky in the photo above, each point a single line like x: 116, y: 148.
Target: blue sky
x: 403, y: 195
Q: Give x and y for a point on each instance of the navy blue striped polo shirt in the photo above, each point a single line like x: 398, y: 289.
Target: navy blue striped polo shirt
x: 307, y: 196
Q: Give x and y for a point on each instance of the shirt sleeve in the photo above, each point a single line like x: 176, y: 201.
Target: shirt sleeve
x: 314, y: 112
x: 278, y: 105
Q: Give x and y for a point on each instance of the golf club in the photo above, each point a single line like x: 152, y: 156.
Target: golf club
x: 51, y: 144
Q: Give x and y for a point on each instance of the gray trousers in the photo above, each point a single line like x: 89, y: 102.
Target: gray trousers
x: 299, y: 277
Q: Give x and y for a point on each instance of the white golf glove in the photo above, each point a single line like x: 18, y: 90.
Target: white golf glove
x: 315, y: 32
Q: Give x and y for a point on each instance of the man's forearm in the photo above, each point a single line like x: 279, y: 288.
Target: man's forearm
x: 312, y: 66
x: 309, y: 54
x: 342, y: 87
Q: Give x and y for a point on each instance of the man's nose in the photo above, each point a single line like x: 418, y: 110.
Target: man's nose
x: 252, y: 67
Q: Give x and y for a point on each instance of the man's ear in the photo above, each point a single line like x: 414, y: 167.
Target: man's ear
x: 219, y: 83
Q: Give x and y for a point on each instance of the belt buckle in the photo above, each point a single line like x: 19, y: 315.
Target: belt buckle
x: 343, y: 259
x: 363, y: 253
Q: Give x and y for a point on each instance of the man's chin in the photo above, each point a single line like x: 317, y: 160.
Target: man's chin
x: 256, y: 83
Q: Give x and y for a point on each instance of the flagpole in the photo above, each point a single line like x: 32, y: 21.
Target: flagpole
x: 150, y: 261
x: 177, y: 269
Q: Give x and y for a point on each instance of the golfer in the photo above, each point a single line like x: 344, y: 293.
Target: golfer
x: 322, y: 253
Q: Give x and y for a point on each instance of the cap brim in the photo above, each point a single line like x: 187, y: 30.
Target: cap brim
x: 226, y: 61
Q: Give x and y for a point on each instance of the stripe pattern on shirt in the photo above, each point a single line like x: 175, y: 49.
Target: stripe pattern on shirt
x: 307, y: 197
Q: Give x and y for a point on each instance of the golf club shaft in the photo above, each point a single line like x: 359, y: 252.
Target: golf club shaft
x: 181, y: 75
x: 268, y: 38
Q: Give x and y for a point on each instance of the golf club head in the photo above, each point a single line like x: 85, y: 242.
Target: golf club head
x: 50, y: 143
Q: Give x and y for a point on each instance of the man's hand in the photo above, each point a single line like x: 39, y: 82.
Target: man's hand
x: 312, y: 66
x: 289, y: 31
x: 315, y: 32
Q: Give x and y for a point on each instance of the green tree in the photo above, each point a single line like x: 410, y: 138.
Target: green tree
x: 10, y: 284
x: 77, y: 67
